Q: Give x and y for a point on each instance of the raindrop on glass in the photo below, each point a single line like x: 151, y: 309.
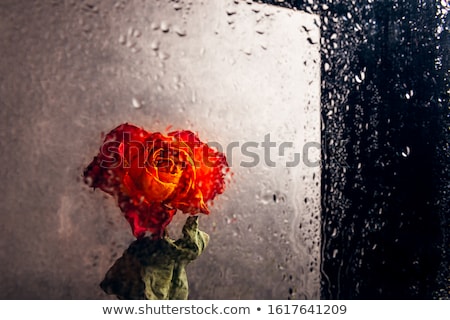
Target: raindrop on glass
x: 163, y: 55
x: 259, y: 30
x: 179, y: 31
x: 165, y: 27
x: 135, y: 103
x: 405, y: 152
x: 335, y: 253
x: 154, y: 45
x: 154, y: 26
x: 247, y: 51
x: 334, y: 233
x: 231, y: 11
x: 359, y: 78
x: 136, y: 33
x: 409, y: 94
x: 130, y: 44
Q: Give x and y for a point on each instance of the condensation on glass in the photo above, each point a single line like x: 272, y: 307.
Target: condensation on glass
x: 245, y: 76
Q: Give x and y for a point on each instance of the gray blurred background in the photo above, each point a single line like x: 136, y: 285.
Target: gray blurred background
x: 233, y: 71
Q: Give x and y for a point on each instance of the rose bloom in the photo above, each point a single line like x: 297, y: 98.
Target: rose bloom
x: 152, y: 175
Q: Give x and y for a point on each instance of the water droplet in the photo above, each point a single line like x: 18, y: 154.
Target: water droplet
x: 406, y: 152
x: 179, y: 31
x: 154, y: 26
x: 130, y: 44
x: 326, y: 66
x: 122, y: 39
x: 267, y: 12
x: 335, y: 253
x: 136, y: 104
x: 154, y: 45
x: 163, y: 55
x: 247, y: 51
x: 264, y: 45
x: 89, y: 181
x: 130, y: 32
x: 136, y: 33
x: 409, y: 94
x: 334, y: 233
x: 259, y: 30
x: 231, y: 11
x: 165, y: 27
x: 360, y: 78
x: 177, y: 6
x: 266, y: 198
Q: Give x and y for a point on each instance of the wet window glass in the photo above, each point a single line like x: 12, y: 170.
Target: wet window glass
x: 333, y: 116
x: 245, y: 76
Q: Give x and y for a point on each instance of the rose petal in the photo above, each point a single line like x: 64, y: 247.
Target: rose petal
x: 152, y: 175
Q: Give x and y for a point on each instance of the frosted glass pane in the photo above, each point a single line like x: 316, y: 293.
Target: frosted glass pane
x: 237, y: 73
x: 248, y: 86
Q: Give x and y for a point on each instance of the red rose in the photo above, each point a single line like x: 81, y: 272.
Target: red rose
x: 152, y: 175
